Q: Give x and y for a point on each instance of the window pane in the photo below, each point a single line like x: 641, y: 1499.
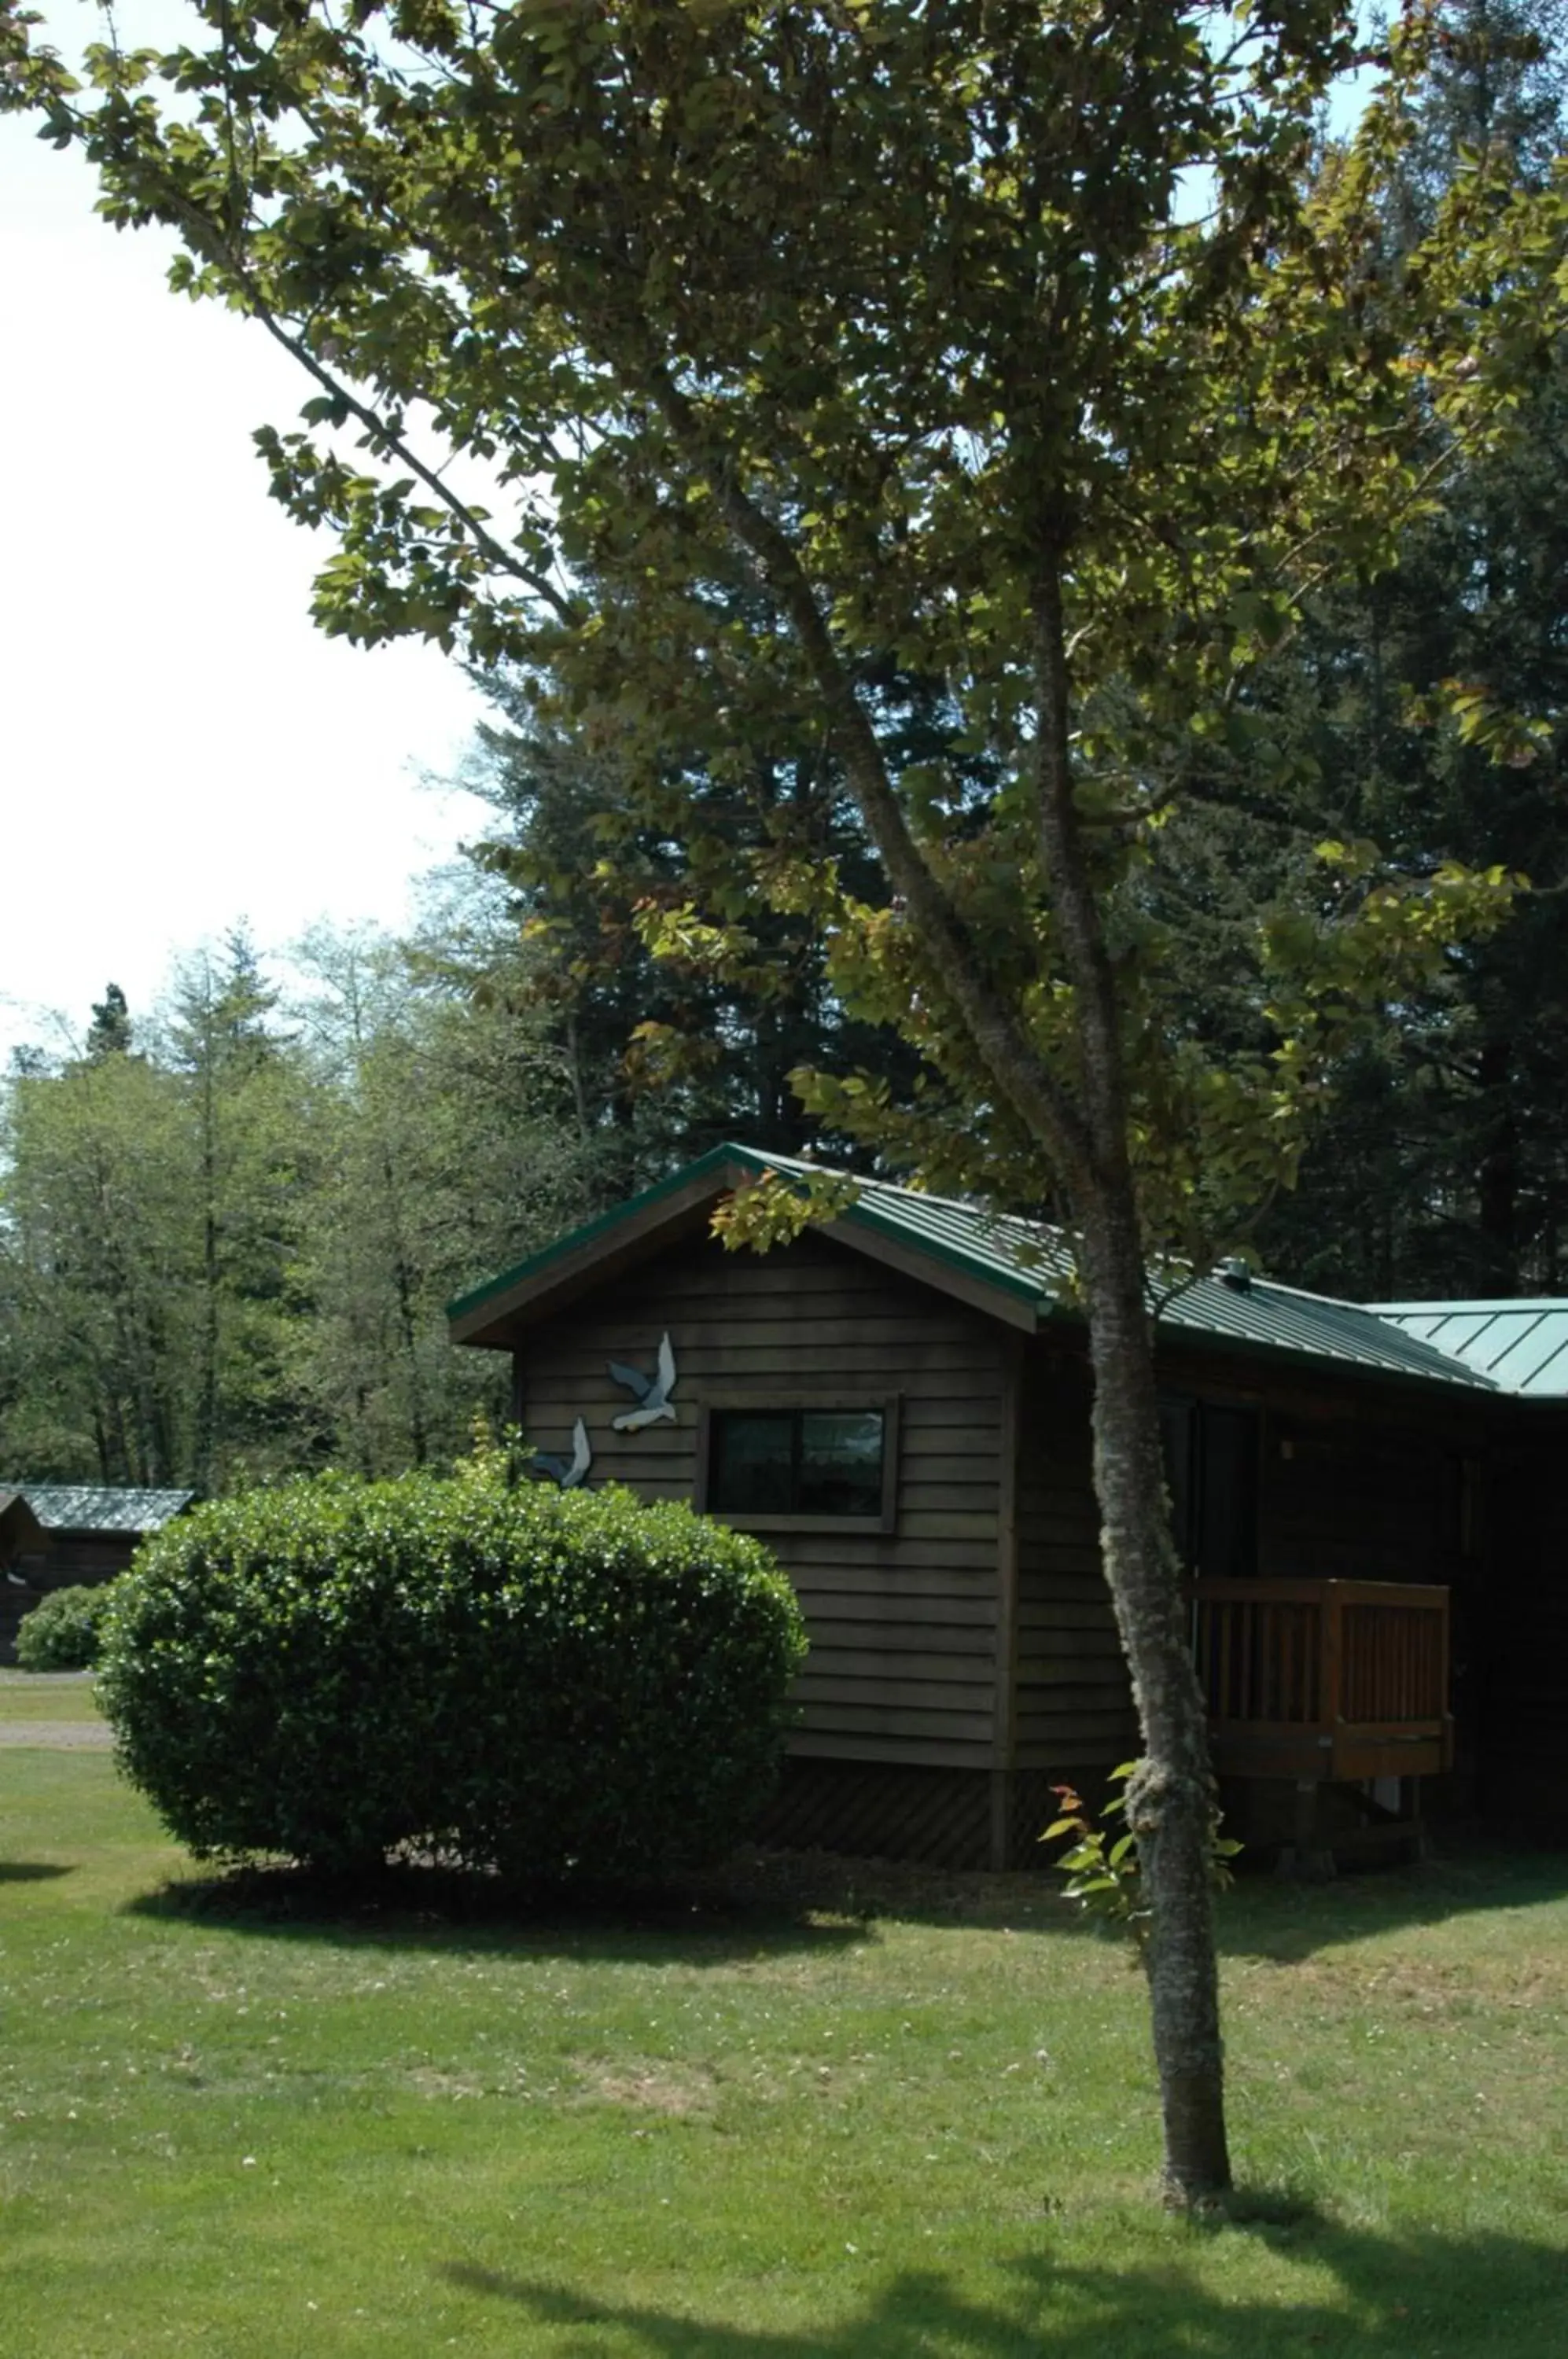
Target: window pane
x: 753, y: 1463
x: 841, y: 1463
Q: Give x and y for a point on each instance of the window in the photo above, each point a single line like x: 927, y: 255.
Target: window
x: 802, y: 1464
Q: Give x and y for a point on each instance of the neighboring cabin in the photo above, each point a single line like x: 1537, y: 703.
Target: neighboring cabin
x: 55, y: 1535
x: 897, y: 1403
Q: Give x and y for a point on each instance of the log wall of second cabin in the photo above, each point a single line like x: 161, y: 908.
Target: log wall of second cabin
x: 903, y: 1624
x: 1356, y: 1481
x: 1073, y: 1710
x: 1524, y: 1779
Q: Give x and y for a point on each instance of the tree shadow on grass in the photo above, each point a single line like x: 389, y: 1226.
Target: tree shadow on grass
x: 1426, y: 2294
x: 700, y: 1920
x: 1288, y: 1923
x: 771, y: 1902
x: 1263, y: 1917
x: 31, y: 1871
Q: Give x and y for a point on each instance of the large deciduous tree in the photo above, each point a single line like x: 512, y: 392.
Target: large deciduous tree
x: 1035, y: 352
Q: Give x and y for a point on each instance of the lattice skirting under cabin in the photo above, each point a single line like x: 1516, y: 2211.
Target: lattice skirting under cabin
x: 931, y: 1818
x: 938, y: 1818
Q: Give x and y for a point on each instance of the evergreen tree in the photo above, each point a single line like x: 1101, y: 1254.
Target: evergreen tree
x: 94, y: 1233
x: 444, y: 1147
x: 667, y: 1055
x: 1442, y: 1168
x: 245, y: 1098
x: 110, y: 1032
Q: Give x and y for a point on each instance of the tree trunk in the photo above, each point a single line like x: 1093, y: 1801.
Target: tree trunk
x: 1171, y: 1801
x: 1083, y: 1133
x: 1496, y: 1177
x: 407, y: 1329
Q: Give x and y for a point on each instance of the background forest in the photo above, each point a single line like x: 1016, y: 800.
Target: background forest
x: 229, y: 1226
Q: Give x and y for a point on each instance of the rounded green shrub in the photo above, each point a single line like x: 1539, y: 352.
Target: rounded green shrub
x: 62, y: 1631
x: 546, y: 1683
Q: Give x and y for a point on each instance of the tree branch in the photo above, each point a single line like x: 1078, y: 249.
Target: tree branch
x: 1076, y: 907
x: 202, y: 235
x: 1036, y: 1096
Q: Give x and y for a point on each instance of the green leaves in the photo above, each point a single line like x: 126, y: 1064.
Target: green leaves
x: 549, y: 1685
x: 722, y: 369
x: 63, y: 1632
x: 774, y: 1210
x: 1102, y: 1867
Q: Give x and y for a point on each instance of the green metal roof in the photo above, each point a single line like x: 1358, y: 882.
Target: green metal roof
x: 1028, y: 1257
x: 1522, y: 1345
x: 1027, y: 1262
x: 84, y: 1507
x: 606, y: 1223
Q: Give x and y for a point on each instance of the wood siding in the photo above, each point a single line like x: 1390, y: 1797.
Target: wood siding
x: 903, y: 1624
x: 1356, y: 1481
x: 974, y: 1646
x: 1074, y: 1712
x: 80, y: 1559
x: 71, y: 1561
x: 1524, y: 1664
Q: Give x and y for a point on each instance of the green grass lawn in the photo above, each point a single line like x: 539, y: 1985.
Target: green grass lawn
x: 802, y: 2115
x: 48, y: 1696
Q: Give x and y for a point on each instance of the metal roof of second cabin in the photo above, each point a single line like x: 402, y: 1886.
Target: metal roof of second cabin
x: 1018, y: 1267
x: 1242, y: 1310
x: 87, y: 1507
x: 1522, y: 1345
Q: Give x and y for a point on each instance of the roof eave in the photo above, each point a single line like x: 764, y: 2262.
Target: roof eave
x: 1462, y: 1386
x: 494, y: 1317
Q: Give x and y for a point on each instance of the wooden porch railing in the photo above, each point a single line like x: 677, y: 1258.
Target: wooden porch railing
x: 1325, y: 1679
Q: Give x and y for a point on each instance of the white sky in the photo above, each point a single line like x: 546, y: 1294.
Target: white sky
x: 180, y: 748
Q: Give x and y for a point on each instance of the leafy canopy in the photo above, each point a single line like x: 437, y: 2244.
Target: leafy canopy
x: 708, y: 359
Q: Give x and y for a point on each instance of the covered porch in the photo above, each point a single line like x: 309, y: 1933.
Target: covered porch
x: 1313, y: 1685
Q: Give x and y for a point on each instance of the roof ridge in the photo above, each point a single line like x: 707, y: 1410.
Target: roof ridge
x: 1473, y: 1303
x: 1309, y: 1294
x: 1008, y: 1262
x: 897, y: 1187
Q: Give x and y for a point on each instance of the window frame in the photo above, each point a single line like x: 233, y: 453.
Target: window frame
x: 772, y: 1401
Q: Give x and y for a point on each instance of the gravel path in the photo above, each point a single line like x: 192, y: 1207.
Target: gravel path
x: 59, y: 1735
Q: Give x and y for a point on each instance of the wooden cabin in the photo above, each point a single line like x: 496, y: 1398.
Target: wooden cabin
x: 1520, y: 1633
x: 898, y: 1403
x: 76, y: 1535
x: 21, y: 1535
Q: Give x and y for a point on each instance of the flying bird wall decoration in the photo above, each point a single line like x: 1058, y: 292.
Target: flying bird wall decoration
x: 652, y: 1392
x: 567, y: 1472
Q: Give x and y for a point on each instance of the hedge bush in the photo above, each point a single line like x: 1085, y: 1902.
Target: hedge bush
x: 541, y: 1682
x: 62, y: 1632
